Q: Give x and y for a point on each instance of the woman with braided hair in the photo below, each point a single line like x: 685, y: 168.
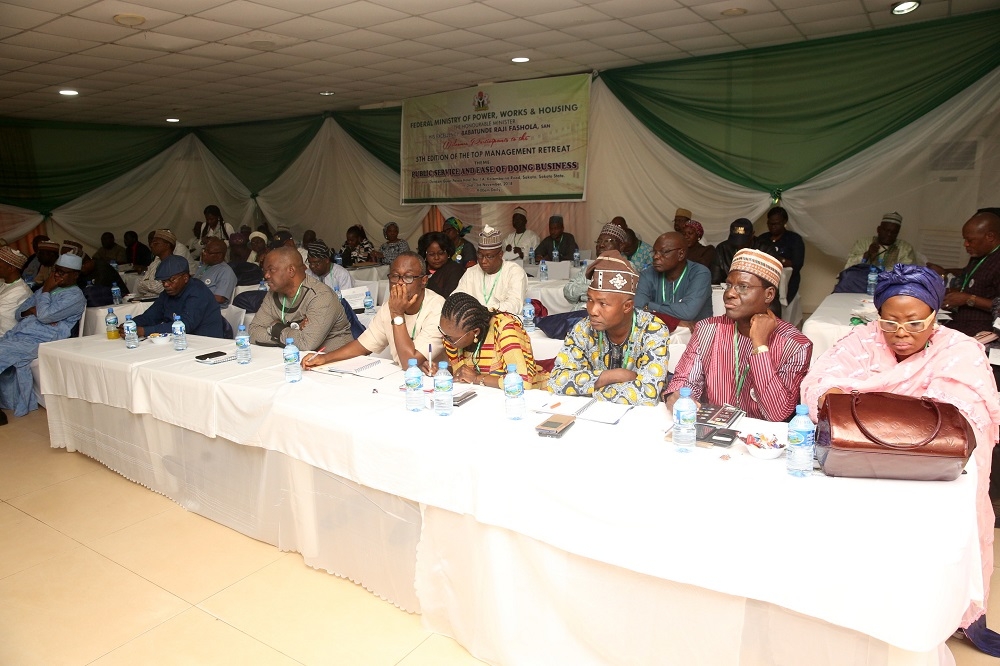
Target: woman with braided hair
x: 480, y: 343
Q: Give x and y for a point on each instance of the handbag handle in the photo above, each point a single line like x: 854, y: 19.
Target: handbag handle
x: 856, y: 397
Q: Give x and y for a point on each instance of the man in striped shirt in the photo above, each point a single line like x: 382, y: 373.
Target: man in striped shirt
x: 748, y: 358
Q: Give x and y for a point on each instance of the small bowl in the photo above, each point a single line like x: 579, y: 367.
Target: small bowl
x: 159, y: 339
x: 764, y: 453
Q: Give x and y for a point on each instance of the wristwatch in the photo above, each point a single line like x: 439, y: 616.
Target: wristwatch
x: 294, y: 325
x: 761, y: 349
x: 971, y: 303
x: 397, y: 321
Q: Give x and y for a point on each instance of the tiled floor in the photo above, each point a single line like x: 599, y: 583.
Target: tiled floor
x: 97, y: 570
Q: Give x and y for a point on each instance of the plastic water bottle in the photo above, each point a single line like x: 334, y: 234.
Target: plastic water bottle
x: 242, y: 345
x: 555, y: 253
x: 131, y: 333
x: 872, y: 279
x: 685, y: 415
x: 179, y: 332
x: 414, y: 386
x: 114, y: 265
x: 111, y: 324
x: 531, y: 255
x: 290, y: 355
x: 801, y: 435
x: 543, y: 271
x: 576, y: 258
x: 528, y: 316
x: 262, y: 286
x: 369, y: 302
x: 443, y: 389
x: 336, y: 291
x: 116, y: 293
x: 513, y: 388
x: 338, y: 259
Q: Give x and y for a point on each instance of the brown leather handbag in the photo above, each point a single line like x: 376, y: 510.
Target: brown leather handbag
x: 887, y: 436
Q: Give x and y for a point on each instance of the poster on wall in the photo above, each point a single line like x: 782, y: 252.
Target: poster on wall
x: 519, y: 141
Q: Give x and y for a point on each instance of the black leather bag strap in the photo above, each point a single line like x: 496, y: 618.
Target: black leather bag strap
x: 926, y: 403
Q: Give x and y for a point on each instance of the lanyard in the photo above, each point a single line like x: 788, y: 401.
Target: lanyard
x: 674, y: 286
x: 284, y: 302
x: 740, y: 377
x: 514, y: 244
x: 413, y: 333
x: 628, y: 347
x: 458, y: 252
x: 486, y: 301
x: 967, y: 278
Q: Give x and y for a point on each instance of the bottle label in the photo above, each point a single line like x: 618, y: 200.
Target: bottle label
x: 513, y: 389
x: 243, y: 342
x: 443, y: 384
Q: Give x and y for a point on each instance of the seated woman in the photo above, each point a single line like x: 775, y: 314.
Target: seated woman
x: 436, y: 249
x: 481, y: 343
x: 698, y: 253
x: 357, y: 248
x: 392, y: 247
x: 906, y: 353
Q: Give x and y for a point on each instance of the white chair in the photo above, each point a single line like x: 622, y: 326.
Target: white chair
x: 247, y: 287
x: 234, y: 316
x: 790, y: 312
x: 559, y: 270
x: 356, y: 295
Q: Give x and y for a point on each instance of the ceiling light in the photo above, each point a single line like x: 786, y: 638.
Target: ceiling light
x: 734, y: 11
x: 173, y: 120
x: 129, y: 20
x: 901, y: 8
x: 520, y: 59
x: 68, y: 93
x: 327, y: 93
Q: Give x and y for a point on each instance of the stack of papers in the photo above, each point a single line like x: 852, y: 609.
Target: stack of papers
x: 362, y: 366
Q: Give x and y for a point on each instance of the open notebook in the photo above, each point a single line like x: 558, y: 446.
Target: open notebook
x: 362, y: 366
x: 581, y: 407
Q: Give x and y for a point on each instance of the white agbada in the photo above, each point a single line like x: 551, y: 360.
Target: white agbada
x: 503, y: 291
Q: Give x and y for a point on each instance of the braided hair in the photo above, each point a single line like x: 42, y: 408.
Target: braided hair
x: 466, y: 312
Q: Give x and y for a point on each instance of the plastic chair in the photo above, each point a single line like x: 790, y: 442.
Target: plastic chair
x: 234, y: 315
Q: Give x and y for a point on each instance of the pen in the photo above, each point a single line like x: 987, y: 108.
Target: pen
x: 554, y: 405
x: 321, y: 350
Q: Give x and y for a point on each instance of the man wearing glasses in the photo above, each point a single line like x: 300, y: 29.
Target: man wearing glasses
x: 674, y: 286
x: 748, y: 357
x: 499, y: 285
x: 48, y: 314
x: 407, y: 323
x: 191, y: 299
x: 215, y: 272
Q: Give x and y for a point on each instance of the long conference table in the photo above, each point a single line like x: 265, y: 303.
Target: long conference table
x: 604, y: 547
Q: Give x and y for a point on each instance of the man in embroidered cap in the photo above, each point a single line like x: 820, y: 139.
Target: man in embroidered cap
x: 191, y: 299
x: 885, y: 249
x: 48, y: 314
x: 522, y: 239
x: 320, y: 267
x: 465, y: 252
x: 681, y: 218
x: 675, y: 286
x: 613, y: 236
x: 499, y: 285
x: 616, y: 353
x: 13, y: 290
x: 740, y: 237
x: 559, y: 239
x: 161, y: 243
x: 72, y: 247
x: 748, y: 357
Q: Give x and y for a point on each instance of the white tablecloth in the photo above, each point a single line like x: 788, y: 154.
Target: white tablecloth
x: 93, y: 320
x: 832, y: 320
x: 550, y: 293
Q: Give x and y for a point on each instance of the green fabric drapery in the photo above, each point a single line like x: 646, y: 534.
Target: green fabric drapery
x: 772, y: 118
x: 376, y: 130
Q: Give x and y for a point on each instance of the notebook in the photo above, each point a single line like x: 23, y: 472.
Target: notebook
x: 719, y: 416
x: 581, y: 407
x: 362, y: 366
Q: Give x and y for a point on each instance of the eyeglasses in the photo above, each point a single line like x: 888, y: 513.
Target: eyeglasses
x: 172, y: 279
x: 741, y: 289
x: 447, y: 338
x: 483, y: 256
x: 395, y: 278
x: 915, y: 326
x: 657, y: 253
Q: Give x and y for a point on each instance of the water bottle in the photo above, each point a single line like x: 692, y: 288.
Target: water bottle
x: 293, y: 371
x: 576, y: 258
x: 531, y: 255
x: 543, y: 271
x: 116, y: 293
x: 338, y: 259
x: 801, y: 435
x: 872, y: 279
x: 242, y: 345
x: 513, y: 389
x: 369, y: 303
x: 131, y: 333
x: 336, y: 292
x: 443, y: 386
x: 528, y: 316
x: 555, y: 253
x: 685, y: 415
x: 114, y: 265
x: 179, y: 332
x: 414, y: 386
x: 111, y: 324
x: 262, y: 286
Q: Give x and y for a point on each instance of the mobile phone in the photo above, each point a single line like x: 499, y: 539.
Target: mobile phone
x: 463, y: 398
x: 555, y: 425
x: 211, y: 358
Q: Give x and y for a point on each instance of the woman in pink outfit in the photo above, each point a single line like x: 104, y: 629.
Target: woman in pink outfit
x: 905, y: 352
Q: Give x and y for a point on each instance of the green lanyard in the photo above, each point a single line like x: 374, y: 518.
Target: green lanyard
x: 628, y: 348
x: 968, y: 277
x: 674, y: 286
x: 284, y: 302
x: 740, y: 377
x: 497, y: 279
x: 413, y: 333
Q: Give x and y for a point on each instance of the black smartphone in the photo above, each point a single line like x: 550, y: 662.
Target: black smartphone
x: 209, y: 355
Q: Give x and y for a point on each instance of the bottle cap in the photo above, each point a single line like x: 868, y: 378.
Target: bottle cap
x: 511, y: 367
x: 128, y: 317
x: 442, y: 364
x: 242, y: 328
x: 527, y: 301
x: 412, y: 362
x: 801, y: 409
x: 111, y: 310
x: 685, y: 391
x: 289, y: 341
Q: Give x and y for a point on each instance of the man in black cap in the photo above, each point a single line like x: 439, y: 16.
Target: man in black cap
x: 740, y: 237
x: 191, y: 299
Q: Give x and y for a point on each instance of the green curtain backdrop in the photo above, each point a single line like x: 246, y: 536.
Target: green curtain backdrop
x: 376, y: 130
x: 772, y: 118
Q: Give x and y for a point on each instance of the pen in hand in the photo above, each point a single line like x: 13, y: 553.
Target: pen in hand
x: 321, y: 350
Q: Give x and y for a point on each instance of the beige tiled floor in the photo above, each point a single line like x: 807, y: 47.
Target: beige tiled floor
x: 97, y: 570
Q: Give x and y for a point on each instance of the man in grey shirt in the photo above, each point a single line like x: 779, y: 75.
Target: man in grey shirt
x: 217, y: 275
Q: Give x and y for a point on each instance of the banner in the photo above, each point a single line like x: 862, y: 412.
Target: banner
x: 519, y: 141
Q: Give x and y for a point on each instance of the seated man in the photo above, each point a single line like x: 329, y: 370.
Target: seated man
x: 215, y: 272
x: 191, y: 299
x: 748, y: 357
x: 970, y: 298
x: 110, y: 251
x: 162, y: 243
x: 247, y: 273
x: 612, y: 237
x: 137, y: 254
x: 298, y: 307
x: 740, y: 238
x: 37, y: 271
x: 522, y: 239
x: 102, y: 274
x: 326, y: 271
x: 407, y: 323
x: 786, y: 246
x: 681, y: 217
x: 48, y: 314
x: 13, y: 290
x: 673, y: 285
x: 499, y: 285
x: 884, y: 249
x: 617, y: 353
x: 639, y: 253
x: 557, y: 238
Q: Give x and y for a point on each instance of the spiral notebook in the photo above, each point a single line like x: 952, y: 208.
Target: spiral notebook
x: 582, y: 407
x: 362, y: 366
